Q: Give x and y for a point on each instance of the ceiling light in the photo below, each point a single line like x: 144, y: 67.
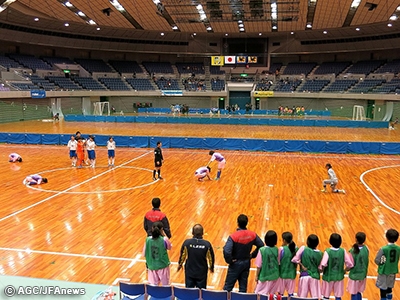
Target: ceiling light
x: 98, y: 28
x: 36, y: 19
x: 274, y: 27
x: 79, y: 13
x: 398, y: 8
x: 309, y: 25
x: 241, y: 25
x: 209, y: 28
x: 162, y: 33
x: 292, y: 32
x: 174, y: 27
x: 240, y: 21
x: 390, y: 25
x: 325, y: 32
x: 241, y: 29
x: 393, y: 18
x: 68, y: 4
x: 66, y: 24
x: 117, y: 5
x: 358, y: 29
x: 91, y: 22
x: 194, y: 33
x: 226, y: 34
x: 260, y: 33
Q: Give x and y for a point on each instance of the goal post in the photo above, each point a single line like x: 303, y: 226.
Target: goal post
x: 358, y: 113
x: 101, y: 108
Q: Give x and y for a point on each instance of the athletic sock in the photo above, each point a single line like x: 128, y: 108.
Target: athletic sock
x: 219, y: 174
x: 389, y: 296
x: 354, y: 296
x: 154, y: 173
x: 359, y: 296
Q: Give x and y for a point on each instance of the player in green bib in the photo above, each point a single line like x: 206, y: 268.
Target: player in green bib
x: 358, y: 274
x: 387, y: 260
x: 157, y: 260
x: 332, y: 265
x: 287, y: 269
x: 267, y: 263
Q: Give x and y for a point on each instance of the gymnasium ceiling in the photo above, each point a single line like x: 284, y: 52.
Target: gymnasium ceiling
x: 148, y: 18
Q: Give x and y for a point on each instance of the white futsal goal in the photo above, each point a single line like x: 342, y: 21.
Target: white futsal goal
x: 358, y: 113
x: 101, y: 108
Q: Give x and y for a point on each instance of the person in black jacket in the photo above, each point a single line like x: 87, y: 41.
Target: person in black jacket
x: 158, y: 160
x: 199, y: 257
x: 238, y: 253
x: 156, y: 215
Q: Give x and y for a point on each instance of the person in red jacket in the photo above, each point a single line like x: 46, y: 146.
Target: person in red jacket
x: 156, y: 215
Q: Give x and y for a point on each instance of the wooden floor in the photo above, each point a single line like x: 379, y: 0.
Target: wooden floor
x: 86, y: 224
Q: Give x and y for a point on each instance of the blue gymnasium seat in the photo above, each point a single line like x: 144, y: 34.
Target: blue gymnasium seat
x: 267, y: 297
x: 214, y: 295
x: 156, y: 292
x: 129, y: 291
x: 299, y: 298
x: 243, y: 296
x: 181, y: 293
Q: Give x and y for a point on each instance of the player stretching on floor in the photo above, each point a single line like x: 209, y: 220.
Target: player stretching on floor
x: 14, y: 157
x: 202, y: 172
x: 35, y: 179
x: 221, y: 162
x: 332, y: 181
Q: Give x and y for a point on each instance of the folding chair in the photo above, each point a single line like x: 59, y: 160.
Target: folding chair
x: 181, y: 293
x: 243, y: 296
x: 214, y: 295
x: 156, y: 292
x: 129, y: 291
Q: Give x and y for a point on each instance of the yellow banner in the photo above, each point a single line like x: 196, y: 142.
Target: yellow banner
x: 263, y: 94
x: 217, y: 60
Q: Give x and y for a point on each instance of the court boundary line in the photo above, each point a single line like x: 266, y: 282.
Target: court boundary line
x: 70, y: 188
x: 115, y: 258
x: 372, y: 192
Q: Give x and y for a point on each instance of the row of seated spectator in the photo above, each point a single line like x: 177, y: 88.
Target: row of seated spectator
x: 294, y: 111
x: 314, y: 86
x: 264, y: 85
x: 194, y: 84
x: 217, y: 84
x: 190, y: 68
x: 286, y: 85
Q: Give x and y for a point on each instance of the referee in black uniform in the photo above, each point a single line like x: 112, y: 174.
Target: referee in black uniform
x: 158, y: 160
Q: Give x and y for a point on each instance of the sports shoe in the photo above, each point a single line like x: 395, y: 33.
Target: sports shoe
x: 343, y: 191
x: 159, y: 177
x: 154, y: 178
x: 324, y: 191
x: 216, y: 178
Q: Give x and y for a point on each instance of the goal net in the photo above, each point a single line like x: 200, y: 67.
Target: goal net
x: 358, y: 113
x: 101, y: 108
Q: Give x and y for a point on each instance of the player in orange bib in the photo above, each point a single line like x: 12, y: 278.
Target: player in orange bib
x: 80, y: 153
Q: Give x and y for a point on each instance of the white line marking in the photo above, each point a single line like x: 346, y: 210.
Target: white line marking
x: 119, y: 279
x: 41, y: 189
x: 70, y: 188
x: 373, y: 193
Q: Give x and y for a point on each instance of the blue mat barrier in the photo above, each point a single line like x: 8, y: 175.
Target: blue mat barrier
x: 214, y: 143
x: 229, y: 121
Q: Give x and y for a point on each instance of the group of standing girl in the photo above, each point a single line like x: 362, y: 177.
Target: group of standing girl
x: 82, y: 151
x: 276, y: 268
